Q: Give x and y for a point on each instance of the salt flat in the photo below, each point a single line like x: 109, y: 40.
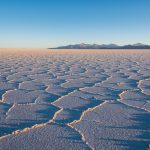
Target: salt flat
x: 74, y: 99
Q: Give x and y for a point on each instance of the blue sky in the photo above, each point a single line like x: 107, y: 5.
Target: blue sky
x: 49, y: 23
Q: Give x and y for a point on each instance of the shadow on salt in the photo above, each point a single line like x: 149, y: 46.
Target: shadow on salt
x: 15, y: 122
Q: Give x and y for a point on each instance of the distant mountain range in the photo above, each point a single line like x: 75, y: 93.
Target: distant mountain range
x: 104, y: 46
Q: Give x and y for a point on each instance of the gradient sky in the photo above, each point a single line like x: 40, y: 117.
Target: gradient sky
x: 49, y: 23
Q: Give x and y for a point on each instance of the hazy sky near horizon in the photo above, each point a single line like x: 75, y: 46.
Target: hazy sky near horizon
x: 49, y: 23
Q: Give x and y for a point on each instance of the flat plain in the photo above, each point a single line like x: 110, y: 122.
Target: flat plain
x: 74, y: 99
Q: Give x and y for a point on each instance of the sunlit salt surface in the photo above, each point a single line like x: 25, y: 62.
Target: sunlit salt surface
x: 74, y: 99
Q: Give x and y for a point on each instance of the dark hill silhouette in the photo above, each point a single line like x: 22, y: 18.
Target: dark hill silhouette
x: 103, y: 46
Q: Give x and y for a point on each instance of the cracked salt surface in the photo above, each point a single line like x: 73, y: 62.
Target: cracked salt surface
x: 74, y: 100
